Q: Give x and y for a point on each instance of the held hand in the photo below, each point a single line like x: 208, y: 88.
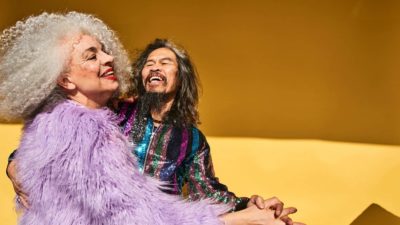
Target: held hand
x: 275, y: 204
x: 272, y: 203
x: 252, y: 216
x: 22, y: 197
x: 280, y: 212
x: 257, y: 201
x: 288, y: 221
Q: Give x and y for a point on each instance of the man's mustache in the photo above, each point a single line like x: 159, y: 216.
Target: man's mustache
x: 156, y: 76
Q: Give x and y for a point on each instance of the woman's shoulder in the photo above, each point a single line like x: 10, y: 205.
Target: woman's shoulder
x: 72, y: 114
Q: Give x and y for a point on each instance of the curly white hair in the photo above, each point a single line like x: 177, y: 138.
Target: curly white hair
x: 31, y: 59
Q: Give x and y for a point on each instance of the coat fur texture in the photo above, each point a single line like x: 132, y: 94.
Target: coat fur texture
x: 75, y: 166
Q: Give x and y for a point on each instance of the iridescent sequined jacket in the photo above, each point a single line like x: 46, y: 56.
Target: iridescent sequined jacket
x: 178, y: 155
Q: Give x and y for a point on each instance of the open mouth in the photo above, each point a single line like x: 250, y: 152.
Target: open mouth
x: 155, y: 78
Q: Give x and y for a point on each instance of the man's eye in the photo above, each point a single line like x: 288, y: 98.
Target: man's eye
x: 166, y: 62
x: 93, y: 57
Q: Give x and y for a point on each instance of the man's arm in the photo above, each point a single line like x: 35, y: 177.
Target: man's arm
x: 22, y: 197
x: 10, y: 159
x: 201, y: 179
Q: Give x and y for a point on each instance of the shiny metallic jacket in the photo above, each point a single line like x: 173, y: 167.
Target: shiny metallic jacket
x: 178, y: 155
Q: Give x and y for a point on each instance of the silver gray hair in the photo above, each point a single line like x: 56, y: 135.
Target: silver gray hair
x: 31, y: 59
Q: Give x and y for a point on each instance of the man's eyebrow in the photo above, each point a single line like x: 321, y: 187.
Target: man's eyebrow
x: 166, y: 58
x: 162, y: 59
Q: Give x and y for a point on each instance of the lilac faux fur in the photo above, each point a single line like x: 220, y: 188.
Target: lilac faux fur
x: 75, y: 166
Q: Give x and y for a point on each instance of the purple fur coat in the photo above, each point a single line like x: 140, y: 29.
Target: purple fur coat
x: 75, y: 166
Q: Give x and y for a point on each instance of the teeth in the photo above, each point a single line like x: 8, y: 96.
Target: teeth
x: 109, y: 73
x: 155, y: 78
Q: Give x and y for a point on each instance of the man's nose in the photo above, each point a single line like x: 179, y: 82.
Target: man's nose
x: 155, y: 67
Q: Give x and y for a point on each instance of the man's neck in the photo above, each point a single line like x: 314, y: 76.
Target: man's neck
x: 160, y: 115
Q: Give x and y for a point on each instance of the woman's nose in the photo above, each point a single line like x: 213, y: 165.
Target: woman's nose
x: 106, y: 58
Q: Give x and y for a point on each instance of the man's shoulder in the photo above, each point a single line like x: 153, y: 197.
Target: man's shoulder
x: 197, y: 133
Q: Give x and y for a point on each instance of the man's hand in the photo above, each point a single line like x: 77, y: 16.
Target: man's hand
x: 257, y: 201
x: 276, y: 205
x: 271, y: 203
x: 283, y: 213
x: 22, y: 198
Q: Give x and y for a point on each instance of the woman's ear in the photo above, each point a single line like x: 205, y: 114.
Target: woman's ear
x: 65, y: 82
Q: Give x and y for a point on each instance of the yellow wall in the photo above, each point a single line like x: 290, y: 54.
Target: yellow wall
x: 274, y: 69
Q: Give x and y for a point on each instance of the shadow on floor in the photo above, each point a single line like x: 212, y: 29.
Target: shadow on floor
x: 376, y: 215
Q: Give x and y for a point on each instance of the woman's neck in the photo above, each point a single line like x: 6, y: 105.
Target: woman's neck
x: 92, y: 103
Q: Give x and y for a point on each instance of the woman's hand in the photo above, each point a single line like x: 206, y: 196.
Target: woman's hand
x: 252, y: 216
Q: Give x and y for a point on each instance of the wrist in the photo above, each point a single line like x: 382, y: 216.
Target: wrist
x: 234, y: 218
x: 241, y: 203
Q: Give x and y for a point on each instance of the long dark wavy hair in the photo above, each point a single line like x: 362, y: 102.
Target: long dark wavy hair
x: 184, y: 111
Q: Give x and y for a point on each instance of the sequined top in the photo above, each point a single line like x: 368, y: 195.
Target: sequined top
x: 178, y: 155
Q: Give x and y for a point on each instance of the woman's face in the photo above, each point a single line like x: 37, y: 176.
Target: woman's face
x: 91, y: 72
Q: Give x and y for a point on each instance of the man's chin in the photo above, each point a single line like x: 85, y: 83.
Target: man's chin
x: 154, y: 90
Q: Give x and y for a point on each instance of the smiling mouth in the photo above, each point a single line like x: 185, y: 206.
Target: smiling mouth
x: 108, y: 73
x: 111, y: 77
x: 155, y: 78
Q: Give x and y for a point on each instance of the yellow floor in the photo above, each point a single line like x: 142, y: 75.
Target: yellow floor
x: 329, y: 182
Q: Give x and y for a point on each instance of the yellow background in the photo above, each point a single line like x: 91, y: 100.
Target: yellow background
x: 287, y: 69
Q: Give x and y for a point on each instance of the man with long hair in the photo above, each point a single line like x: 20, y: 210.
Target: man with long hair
x: 162, y: 126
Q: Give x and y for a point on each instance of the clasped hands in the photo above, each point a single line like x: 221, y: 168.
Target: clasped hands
x: 263, y: 212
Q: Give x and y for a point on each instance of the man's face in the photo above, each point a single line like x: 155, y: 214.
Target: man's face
x: 160, y: 72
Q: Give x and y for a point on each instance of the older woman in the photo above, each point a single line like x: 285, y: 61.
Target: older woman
x: 58, y: 72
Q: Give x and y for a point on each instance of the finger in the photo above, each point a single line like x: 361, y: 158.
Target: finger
x: 19, y: 191
x: 17, y: 187
x: 23, y: 195
x: 253, y: 199
x: 24, y: 202
x: 287, y: 220
x: 260, y: 202
x: 278, y: 207
x: 288, y: 210
x: 272, y: 201
x: 23, y: 198
x: 10, y: 171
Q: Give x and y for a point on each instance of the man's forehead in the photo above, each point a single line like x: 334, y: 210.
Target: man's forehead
x: 162, y: 53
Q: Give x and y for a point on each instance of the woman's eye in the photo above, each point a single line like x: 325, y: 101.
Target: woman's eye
x: 93, y: 57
